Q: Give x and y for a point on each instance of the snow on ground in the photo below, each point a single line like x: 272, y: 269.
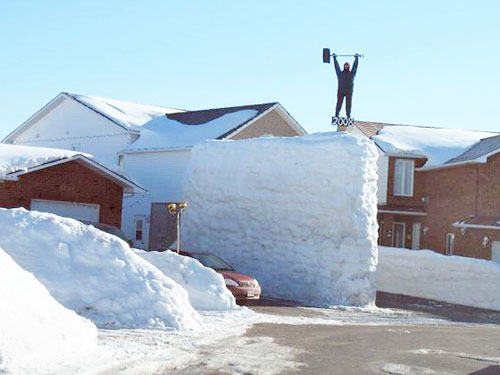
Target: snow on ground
x: 438, y: 145
x: 14, y: 158
x: 164, y: 133
x: 299, y: 214
x: 427, y: 274
x: 35, y: 330
x: 206, y: 288
x: 221, y: 345
x: 94, y: 273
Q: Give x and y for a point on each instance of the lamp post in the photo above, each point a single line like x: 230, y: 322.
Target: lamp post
x: 176, y: 208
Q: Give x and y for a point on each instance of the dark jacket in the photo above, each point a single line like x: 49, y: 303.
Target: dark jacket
x: 346, y: 77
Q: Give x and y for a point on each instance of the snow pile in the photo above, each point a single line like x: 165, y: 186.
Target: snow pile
x: 167, y: 133
x: 35, y: 330
x: 128, y: 115
x: 14, y: 158
x: 299, y: 214
x: 94, y: 273
x: 206, y: 288
x: 438, y: 145
x: 427, y: 274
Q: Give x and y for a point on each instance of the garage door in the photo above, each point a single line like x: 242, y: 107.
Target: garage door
x: 79, y: 211
x: 495, y: 251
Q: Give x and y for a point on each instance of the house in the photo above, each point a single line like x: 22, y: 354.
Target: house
x: 152, y: 143
x: 438, y: 188
x: 66, y: 183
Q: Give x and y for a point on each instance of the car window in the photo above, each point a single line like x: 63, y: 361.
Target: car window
x: 212, y: 261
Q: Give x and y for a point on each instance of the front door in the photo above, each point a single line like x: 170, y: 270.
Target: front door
x: 398, y: 237
x: 162, y: 229
x: 140, y: 232
x: 495, y: 251
x: 415, y: 236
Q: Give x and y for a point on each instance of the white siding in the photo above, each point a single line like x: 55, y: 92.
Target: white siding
x: 162, y: 174
x: 71, y: 124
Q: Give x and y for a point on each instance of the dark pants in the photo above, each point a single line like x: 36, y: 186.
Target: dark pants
x: 340, y: 100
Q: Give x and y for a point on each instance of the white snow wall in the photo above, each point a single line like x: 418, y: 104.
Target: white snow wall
x: 427, y: 274
x: 299, y: 214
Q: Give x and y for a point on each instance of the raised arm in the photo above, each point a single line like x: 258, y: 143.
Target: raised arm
x: 355, y: 66
x: 336, y: 63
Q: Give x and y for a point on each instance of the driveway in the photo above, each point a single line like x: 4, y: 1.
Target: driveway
x: 406, y: 336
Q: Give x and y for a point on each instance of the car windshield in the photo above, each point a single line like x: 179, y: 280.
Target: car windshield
x: 108, y: 229
x: 212, y: 261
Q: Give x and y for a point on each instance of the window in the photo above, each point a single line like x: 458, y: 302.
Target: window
x: 403, y: 177
x: 120, y: 161
x: 398, y: 234
x: 138, y: 229
x: 450, y: 243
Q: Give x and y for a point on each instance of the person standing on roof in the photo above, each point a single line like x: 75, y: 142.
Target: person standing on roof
x: 346, y: 84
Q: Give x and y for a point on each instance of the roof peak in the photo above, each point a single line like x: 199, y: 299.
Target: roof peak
x: 235, y: 107
x: 75, y: 96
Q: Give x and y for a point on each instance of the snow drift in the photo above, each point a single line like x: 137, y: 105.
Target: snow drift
x: 94, y: 273
x: 206, y: 288
x: 427, y: 274
x: 35, y: 330
x: 299, y: 214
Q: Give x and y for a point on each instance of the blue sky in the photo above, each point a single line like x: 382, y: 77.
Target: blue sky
x: 427, y: 62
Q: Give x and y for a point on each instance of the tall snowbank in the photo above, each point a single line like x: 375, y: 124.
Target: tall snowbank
x: 35, y: 330
x: 427, y: 274
x: 94, y: 273
x: 206, y: 288
x: 299, y: 214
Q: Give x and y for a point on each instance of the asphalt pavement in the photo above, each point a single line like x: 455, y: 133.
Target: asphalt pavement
x: 406, y: 336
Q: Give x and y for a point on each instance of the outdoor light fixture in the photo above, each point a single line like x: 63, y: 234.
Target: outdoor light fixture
x: 176, y: 208
x: 426, y: 230
x: 485, y: 241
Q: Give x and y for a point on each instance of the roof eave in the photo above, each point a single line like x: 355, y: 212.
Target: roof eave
x: 128, y: 186
x: 450, y: 165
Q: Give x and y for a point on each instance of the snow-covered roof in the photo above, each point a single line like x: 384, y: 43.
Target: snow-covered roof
x: 479, y: 152
x: 181, y: 130
x: 438, y: 145
x: 163, y: 127
x: 16, y: 160
x: 126, y: 114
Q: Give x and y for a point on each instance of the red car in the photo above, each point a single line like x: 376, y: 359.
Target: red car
x: 244, y: 288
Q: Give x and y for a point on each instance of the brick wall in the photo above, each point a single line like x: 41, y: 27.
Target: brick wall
x: 70, y: 182
x: 451, y: 194
x: 457, y: 192
x: 414, y: 201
